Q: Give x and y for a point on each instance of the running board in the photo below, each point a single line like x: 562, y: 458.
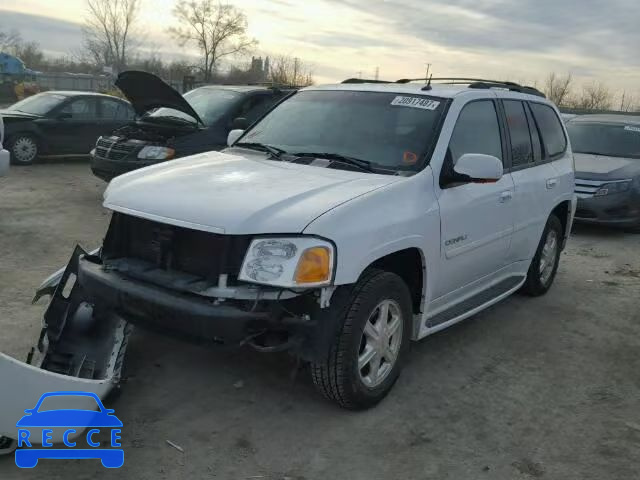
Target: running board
x: 474, y: 302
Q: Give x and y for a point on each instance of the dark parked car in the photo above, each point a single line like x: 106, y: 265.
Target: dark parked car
x: 607, y: 155
x: 61, y: 124
x: 170, y: 125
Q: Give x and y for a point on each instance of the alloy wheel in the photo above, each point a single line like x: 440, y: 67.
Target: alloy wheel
x: 380, y: 343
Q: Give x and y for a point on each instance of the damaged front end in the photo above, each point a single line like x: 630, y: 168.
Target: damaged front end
x: 81, y: 348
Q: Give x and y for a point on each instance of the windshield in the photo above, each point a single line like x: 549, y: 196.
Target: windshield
x: 209, y: 103
x: 387, y: 129
x: 605, y: 139
x: 40, y: 104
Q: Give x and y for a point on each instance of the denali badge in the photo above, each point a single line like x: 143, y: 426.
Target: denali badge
x: 455, y: 241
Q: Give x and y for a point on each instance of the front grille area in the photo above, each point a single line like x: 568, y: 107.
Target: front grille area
x: 587, y: 188
x: 170, y: 248
x: 113, y: 150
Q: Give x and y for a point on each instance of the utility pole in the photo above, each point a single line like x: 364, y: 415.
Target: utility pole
x: 377, y: 73
x: 359, y: 74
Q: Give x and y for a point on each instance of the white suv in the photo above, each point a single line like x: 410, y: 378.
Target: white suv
x: 347, y: 222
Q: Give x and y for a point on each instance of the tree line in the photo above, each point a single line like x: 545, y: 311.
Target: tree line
x: 112, y: 38
x: 596, y: 95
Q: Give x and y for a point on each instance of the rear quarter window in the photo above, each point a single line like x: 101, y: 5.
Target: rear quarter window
x: 550, y: 126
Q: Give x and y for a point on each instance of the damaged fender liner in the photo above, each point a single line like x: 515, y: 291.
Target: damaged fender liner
x: 188, y: 316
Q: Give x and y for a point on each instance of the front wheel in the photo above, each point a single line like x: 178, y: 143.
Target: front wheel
x: 544, y: 265
x: 365, y: 359
x: 23, y: 149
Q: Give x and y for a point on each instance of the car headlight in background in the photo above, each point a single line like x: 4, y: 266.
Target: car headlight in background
x: 289, y: 262
x: 620, y: 186
x: 156, y: 153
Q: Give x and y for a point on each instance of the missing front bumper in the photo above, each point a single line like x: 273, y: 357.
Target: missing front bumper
x: 81, y: 348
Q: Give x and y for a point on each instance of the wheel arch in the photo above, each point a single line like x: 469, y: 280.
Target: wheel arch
x: 410, y: 265
x: 563, y: 211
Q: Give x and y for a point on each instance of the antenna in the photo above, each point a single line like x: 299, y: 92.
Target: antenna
x: 428, y: 85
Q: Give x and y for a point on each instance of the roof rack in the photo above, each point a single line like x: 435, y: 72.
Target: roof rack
x: 479, y: 83
x: 364, y: 80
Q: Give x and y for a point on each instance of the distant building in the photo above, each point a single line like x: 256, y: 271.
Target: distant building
x: 259, y: 68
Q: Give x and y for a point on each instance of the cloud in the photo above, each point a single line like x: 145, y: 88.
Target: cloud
x: 577, y: 29
x: 56, y: 37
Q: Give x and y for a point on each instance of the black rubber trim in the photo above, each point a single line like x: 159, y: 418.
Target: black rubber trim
x: 475, y: 301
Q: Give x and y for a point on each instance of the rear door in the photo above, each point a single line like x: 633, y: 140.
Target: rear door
x: 533, y: 174
x: 476, y: 219
x: 72, y: 127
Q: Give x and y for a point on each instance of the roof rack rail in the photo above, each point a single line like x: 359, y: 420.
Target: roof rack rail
x: 364, y: 80
x: 479, y: 83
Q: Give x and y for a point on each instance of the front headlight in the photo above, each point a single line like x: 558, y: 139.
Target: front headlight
x: 289, y: 262
x: 156, y: 153
x: 620, y: 186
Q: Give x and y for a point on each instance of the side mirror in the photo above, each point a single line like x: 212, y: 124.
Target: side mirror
x: 479, y: 168
x: 64, y: 116
x: 233, y: 136
x: 240, y: 123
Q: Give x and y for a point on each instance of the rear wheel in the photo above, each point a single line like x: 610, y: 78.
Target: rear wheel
x: 23, y: 149
x: 365, y: 359
x: 544, y: 265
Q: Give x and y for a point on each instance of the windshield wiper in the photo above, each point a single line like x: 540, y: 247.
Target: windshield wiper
x: 275, y: 152
x: 362, y: 164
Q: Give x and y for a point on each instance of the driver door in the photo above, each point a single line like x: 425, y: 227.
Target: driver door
x: 477, y: 219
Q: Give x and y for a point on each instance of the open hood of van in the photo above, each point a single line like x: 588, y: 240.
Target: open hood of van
x: 145, y: 91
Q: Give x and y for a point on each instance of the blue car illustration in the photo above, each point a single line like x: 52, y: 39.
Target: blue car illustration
x: 72, y: 421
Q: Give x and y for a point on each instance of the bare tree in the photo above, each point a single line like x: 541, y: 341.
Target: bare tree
x: 286, y: 70
x: 629, y: 102
x: 218, y: 30
x: 107, y: 31
x: 594, y: 96
x: 557, y: 88
x: 9, y: 40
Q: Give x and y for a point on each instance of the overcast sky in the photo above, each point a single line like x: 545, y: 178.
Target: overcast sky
x: 519, y: 40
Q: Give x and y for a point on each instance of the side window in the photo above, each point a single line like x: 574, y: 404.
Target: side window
x: 476, y: 131
x: 114, y: 110
x: 521, y: 149
x: 254, y: 107
x: 553, y: 138
x: 535, y: 136
x: 81, y: 109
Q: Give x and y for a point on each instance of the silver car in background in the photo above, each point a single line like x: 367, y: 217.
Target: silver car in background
x: 607, y: 155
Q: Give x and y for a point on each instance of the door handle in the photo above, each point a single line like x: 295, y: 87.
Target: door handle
x: 506, y: 196
x: 551, y: 183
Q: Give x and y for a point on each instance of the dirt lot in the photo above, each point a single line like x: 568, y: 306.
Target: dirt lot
x: 532, y: 388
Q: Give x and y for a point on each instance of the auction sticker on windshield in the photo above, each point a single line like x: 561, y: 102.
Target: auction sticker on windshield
x: 632, y: 129
x: 415, y: 102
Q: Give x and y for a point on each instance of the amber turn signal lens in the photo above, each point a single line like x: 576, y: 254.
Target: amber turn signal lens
x: 314, y: 266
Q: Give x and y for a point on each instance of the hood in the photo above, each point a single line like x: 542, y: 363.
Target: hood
x: 602, y: 167
x: 145, y: 91
x: 238, y: 192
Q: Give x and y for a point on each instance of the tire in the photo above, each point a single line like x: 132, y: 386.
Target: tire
x: 338, y: 377
x: 544, y: 265
x: 23, y: 148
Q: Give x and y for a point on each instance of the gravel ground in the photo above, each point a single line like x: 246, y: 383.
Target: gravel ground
x: 531, y: 388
